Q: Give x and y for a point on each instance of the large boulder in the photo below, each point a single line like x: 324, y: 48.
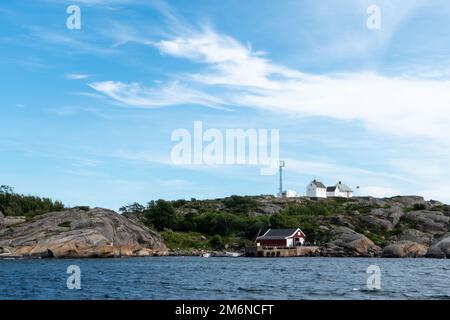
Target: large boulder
x: 417, y: 236
x: 392, y: 214
x: 80, y: 233
x: 404, y: 249
x: 441, y: 249
x: 429, y: 221
x: 378, y: 222
x: 408, y: 201
x: 342, y: 220
x: 12, y: 220
x: 266, y: 208
x: 345, y: 241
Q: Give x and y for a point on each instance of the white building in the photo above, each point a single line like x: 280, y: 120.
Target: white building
x: 288, y: 194
x: 339, y: 190
x: 316, y: 189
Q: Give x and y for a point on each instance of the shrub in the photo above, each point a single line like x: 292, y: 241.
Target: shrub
x: 240, y: 204
x: 216, y: 242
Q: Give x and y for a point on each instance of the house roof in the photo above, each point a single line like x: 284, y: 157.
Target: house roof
x: 275, y: 234
x: 318, y: 184
x: 344, y: 187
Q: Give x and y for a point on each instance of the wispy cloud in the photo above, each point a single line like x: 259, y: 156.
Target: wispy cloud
x: 76, y: 76
x: 406, y: 105
x: 173, y: 93
x: 393, y: 105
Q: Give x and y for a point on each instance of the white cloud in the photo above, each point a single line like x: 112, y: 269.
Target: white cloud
x: 229, y: 62
x: 412, y: 108
x: 234, y: 74
x: 405, y: 106
x: 172, y: 93
x: 76, y: 76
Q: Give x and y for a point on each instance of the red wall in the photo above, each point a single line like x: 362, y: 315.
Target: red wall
x: 281, y: 243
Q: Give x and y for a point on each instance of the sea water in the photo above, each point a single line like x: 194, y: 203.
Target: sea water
x: 225, y: 278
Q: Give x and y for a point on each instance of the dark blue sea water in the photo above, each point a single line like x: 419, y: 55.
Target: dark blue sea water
x: 225, y: 278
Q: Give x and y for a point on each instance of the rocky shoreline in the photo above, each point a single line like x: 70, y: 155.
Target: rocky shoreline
x: 79, y: 233
x: 399, y: 227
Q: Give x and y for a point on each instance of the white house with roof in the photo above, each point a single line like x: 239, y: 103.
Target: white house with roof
x: 288, y: 194
x: 340, y: 190
x: 316, y: 189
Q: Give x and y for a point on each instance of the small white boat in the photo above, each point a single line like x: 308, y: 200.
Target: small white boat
x: 206, y: 255
x: 232, y: 254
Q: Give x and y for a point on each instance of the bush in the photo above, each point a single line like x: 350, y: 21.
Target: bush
x: 216, y: 242
x: 420, y: 206
x: 240, y: 204
x: 416, y: 207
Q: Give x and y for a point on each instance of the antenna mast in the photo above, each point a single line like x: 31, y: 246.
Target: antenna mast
x: 282, y: 165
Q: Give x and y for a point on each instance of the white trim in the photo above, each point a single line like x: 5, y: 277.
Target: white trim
x: 296, y: 230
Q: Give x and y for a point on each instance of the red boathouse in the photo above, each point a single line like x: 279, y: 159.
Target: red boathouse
x: 281, y: 238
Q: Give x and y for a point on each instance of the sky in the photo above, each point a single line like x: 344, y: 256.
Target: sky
x: 88, y: 114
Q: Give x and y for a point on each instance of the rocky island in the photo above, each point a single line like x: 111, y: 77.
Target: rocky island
x: 397, y: 227
x: 79, y: 233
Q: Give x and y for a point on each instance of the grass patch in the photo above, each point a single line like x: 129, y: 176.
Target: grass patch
x: 184, y: 240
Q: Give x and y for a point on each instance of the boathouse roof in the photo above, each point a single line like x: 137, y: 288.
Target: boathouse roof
x: 274, y: 234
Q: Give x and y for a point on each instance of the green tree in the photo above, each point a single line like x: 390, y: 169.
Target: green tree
x: 132, y: 208
x: 161, y: 214
x: 284, y: 220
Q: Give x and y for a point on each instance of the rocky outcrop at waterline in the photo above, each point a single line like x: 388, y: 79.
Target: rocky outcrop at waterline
x: 441, y: 249
x: 80, y: 233
x: 345, y: 242
x: 405, y: 249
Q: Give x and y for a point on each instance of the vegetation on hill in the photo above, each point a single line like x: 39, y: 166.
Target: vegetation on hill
x: 182, y: 223
x: 236, y: 221
x: 13, y: 204
x: 233, y: 221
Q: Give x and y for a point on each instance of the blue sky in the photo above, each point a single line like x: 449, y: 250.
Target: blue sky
x: 87, y: 115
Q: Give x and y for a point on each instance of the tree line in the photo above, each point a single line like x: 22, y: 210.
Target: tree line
x: 13, y: 204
